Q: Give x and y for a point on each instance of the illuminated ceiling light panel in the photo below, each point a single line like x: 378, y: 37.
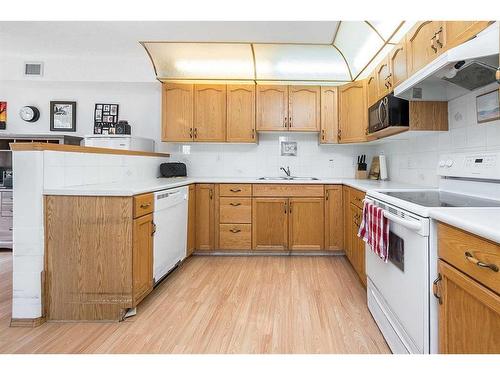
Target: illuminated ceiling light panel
x: 201, y: 60
x: 385, y: 28
x: 300, y: 63
x: 399, y: 35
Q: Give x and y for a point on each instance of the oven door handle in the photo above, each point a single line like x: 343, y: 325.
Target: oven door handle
x: 416, y: 226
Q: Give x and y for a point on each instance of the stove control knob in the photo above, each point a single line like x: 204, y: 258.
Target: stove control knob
x: 442, y: 164
x: 449, y: 163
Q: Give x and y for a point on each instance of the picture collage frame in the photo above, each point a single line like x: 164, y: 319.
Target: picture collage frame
x: 105, y: 118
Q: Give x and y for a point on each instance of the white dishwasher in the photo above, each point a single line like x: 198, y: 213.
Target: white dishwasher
x: 170, y: 239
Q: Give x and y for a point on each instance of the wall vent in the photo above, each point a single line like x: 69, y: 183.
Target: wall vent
x: 33, y: 69
x: 416, y: 93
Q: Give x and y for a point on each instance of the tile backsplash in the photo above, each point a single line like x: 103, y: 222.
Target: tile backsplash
x: 414, y: 160
x: 264, y: 158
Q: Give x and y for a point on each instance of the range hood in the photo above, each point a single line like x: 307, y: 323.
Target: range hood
x: 456, y: 72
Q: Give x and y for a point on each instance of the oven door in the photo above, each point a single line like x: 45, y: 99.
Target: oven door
x: 398, y: 290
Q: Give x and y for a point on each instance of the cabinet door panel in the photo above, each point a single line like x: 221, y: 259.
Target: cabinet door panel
x: 306, y: 224
x: 142, y: 257
x: 210, y: 113
x: 272, y: 107
x: 346, y: 206
x: 357, y: 244
x: 334, y: 218
x: 425, y: 42
x: 269, y: 224
x: 398, y: 64
x: 353, y: 119
x: 177, y: 112
x: 383, y: 75
x: 372, y: 89
x: 329, y: 115
x: 241, y: 113
x: 458, y: 32
x: 304, y: 108
x: 205, y: 217
x: 469, y: 315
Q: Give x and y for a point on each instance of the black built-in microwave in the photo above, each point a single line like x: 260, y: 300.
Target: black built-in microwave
x: 388, y: 111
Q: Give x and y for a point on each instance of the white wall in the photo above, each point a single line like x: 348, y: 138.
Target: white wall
x: 264, y: 159
x: 415, y: 160
x: 140, y: 104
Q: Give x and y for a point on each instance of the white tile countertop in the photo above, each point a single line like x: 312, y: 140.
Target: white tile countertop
x: 151, y: 185
x: 484, y: 222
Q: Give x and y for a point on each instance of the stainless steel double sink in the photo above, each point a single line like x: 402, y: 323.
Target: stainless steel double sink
x: 289, y: 178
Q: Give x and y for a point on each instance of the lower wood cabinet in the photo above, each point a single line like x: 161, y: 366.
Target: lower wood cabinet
x: 205, y: 219
x: 354, y: 246
x: 468, y: 291
x: 98, y: 256
x: 334, y: 218
x: 142, y: 257
x: 270, y: 224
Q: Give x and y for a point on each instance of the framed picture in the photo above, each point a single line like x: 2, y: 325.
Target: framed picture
x: 63, y: 116
x: 105, y: 118
x: 3, y: 115
x: 488, y: 107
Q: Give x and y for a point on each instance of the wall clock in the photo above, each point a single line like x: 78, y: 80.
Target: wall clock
x: 29, y: 113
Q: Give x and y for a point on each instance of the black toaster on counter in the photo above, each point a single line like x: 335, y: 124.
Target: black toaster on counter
x: 173, y: 170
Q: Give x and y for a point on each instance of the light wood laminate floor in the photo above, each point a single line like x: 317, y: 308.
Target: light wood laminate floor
x: 221, y: 305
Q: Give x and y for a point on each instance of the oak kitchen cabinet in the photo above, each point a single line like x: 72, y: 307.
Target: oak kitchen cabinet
x: 458, y: 32
x: 205, y: 217
x: 270, y: 224
x: 334, y: 218
x: 177, y: 112
x: 288, y: 108
x: 398, y: 64
x: 354, y: 246
x: 383, y: 78
x: 241, y: 113
x: 99, y: 263
x: 424, y: 43
x: 209, y: 113
x: 371, y: 89
x: 468, y: 292
x: 353, y: 112
x: 235, y: 217
x: 329, y: 115
x: 191, y: 240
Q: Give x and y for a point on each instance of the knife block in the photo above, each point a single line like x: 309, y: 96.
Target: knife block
x: 361, y: 175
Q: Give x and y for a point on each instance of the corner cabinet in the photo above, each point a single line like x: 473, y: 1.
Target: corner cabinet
x: 177, y: 112
x: 353, y: 112
x: 210, y: 113
x: 329, y: 115
x: 241, y: 113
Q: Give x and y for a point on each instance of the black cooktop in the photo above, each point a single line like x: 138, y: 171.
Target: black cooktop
x: 435, y: 198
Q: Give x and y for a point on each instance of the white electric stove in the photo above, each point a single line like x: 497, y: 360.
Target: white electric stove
x: 399, y: 292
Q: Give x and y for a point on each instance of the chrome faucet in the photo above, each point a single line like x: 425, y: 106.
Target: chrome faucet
x: 287, y: 171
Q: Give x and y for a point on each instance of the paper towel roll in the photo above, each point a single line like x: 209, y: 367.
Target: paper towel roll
x: 383, y: 167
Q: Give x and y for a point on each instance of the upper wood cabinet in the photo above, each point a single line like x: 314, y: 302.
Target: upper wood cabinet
x: 205, y: 217
x: 306, y: 224
x: 272, y: 107
x: 458, y: 32
x: 398, y: 65
x: 241, y: 113
x: 329, y: 115
x: 177, y: 112
x: 353, y: 112
x: 334, y: 223
x: 269, y: 223
x: 142, y: 258
x: 304, y: 108
x: 424, y: 43
x: 383, y: 77
x: 210, y: 113
x: 372, y: 89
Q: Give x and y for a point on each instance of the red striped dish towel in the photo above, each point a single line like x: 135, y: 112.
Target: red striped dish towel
x: 374, y: 230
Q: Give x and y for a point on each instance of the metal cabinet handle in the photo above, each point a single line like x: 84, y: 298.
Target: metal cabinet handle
x: 235, y: 190
x: 284, y: 122
x: 290, y: 208
x: 191, y: 133
x: 438, y: 39
x: 323, y: 134
x: 210, y: 194
x: 145, y: 205
x: 195, y: 132
x: 327, y: 195
x: 435, y: 289
x: 235, y: 230
x: 154, y: 228
x: 253, y: 133
x: 286, y: 204
x: 235, y: 204
x: 478, y: 263
x: 433, y: 39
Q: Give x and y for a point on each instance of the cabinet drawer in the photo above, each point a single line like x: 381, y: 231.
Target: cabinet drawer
x: 143, y: 204
x: 235, y: 190
x: 455, y: 243
x: 235, y: 210
x: 278, y: 190
x: 235, y: 236
x: 357, y: 197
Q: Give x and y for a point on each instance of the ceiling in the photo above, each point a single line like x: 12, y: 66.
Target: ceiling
x: 120, y: 39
